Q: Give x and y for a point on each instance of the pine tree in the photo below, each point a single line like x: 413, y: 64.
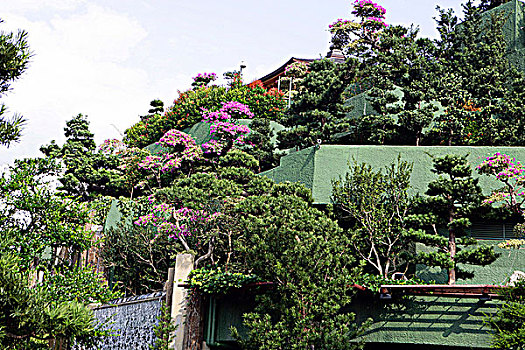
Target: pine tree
x: 449, y: 203
x: 157, y: 107
x: 259, y: 144
x: 319, y: 112
x: 87, y: 173
x: 14, y: 60
x: 472, y: 78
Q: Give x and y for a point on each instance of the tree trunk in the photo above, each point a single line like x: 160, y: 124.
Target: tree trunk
x: 452, y: 250
x: 194, y: 336
x: 452, y: 247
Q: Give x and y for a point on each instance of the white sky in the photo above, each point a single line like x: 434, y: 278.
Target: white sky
x: 109, y: 59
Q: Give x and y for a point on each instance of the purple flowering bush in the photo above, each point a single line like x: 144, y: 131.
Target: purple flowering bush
x: 203, y: 79
x: 177, y: 223
x: 225, y: 130
x: 187, y: 108
x: 363, y: 33
x: 511, y: 174
x: 181, y: 149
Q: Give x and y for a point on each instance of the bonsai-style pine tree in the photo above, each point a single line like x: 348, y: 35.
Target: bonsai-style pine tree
x: 87, y: 173
x: 401, y: 61
x: 449, y: 202
x: 157, y: 108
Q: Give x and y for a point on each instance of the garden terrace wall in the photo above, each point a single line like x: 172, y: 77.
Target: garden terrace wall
x: 317, y: 166
x: 132, y: 320
x: 436, y: 322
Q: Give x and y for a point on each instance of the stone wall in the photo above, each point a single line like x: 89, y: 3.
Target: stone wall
x: 132, y: 320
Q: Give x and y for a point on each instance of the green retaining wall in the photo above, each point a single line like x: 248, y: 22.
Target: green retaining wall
x: 113, y: 217
x: 316, y: 167
x: 497, y: 273
x: 223, y: 313
x: 512, y: 29
x: 412, y: 323
x: 436, y: 322
x: 446, y: 323
x: 361, y: 105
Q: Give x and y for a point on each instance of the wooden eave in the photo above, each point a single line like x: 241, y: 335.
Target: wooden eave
x: 269, y: 79
x: 482, y: 291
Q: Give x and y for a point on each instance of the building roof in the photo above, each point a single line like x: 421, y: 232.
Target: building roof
x: 269, y: 79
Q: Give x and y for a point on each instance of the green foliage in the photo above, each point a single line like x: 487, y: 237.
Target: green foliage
x: 216, y: 194
x: 40, y: 223
x: 10, y: 128
x: 318, y: 112
x: 374, y: 204
x: 138, y: 257
x: 80, y: 284
x: 401, y: 61
x: 359, y: 37
x: 29, y: 317
x: 239, y: 159
x: 216, y: 281
x: 14, y: 60
x: 478, y: 88
x: 508, y: 323
x: 42, y: 237
x: 88, y: 173
x: 457, y: 90
x: 134, y: 257
x: 188, y: 108
x: 450, y: 201
x: 373, y: 282
x: 163, y: 329
x: 306, y: 256
x: 157, y: 107
x: 486, y: 5
x: 260, y: 146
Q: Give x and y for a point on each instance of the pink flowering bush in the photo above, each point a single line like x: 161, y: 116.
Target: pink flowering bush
x: 511, y: 195
x: 224, y: 129
x: 186, y: 109
x: 203, y: 79
x: 112, y: 146
x: 237, y: 110
x: 177, y: 223
x: 368, y: 8
x: 511, y: 174
x: 361, y: 34
x: 181, y: 149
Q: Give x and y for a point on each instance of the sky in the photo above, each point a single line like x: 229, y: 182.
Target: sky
x: 109, y: 59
